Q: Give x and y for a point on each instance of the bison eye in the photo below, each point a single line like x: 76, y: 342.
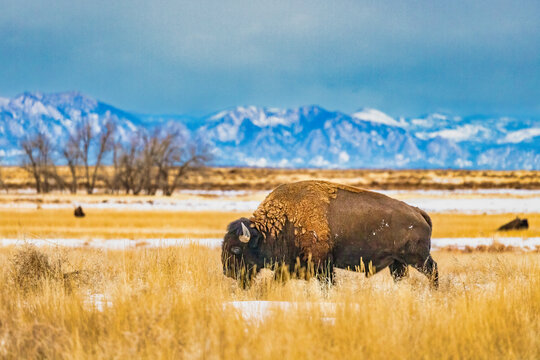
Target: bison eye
x: 236, y: 250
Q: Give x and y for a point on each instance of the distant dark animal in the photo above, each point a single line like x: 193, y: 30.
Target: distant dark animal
x: 516, y: 224
x: 322, y: 225
x: 79, y: 212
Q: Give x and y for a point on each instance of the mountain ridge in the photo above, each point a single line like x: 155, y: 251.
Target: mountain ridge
x: 305, y: 136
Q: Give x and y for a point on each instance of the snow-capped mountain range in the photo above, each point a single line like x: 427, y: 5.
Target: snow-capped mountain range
x: 308, y: 136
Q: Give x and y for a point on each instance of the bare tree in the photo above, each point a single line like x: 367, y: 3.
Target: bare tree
x: 157, y: 161
x: 2, y: 183
x: 94, y: 144
x: 128, y: 165
x: 167, y: 157
x: 38, y: 160
x: 72, y: 154
x: 180, y: 162
x: 156, y: 149
x: 174, y: 156
x: 113, y: 181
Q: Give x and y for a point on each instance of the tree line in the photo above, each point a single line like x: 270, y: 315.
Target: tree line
x: 148, y: 162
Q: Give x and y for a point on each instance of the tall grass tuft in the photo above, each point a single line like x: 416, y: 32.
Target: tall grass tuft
x: 30, y: 267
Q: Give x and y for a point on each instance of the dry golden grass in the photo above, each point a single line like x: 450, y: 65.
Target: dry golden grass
x: 265, y: 179
x: 114, y: 224
x: 173, y: 303
x: 480, y: 225
x: 256, y: 178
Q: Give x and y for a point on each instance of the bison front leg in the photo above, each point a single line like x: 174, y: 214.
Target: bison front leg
x: 398, y: 270
x: 429, y: 268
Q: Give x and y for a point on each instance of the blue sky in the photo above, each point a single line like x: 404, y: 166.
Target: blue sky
x: 195, y: 57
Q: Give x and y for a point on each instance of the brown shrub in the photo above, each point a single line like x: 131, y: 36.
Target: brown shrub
x: 31, y: 267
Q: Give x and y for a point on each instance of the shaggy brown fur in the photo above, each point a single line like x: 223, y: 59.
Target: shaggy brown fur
x: 305, y: 205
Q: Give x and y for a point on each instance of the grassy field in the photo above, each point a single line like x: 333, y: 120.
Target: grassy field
x: 175, y: 303
x: 265, y: 179
x: 115, y: 224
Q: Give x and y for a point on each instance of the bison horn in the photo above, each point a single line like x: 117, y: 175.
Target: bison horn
x: 245, y: 234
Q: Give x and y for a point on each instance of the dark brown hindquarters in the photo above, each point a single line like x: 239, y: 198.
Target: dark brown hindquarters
x: 373, y: 231
x: 421, y: 259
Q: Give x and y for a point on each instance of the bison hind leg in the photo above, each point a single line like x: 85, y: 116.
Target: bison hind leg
x: 429, y: 268
x: 326, y: 274
x: 398, y: 270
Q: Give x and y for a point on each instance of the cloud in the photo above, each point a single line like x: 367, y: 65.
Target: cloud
x: 319, y: 161
x: 343, y: 157
x: 200, y: 56
x: 521, y: 135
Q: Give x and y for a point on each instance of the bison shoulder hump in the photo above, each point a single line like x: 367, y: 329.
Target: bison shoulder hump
x: 305, y: 205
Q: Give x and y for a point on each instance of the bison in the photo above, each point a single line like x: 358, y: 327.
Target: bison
x: 320, y: 225
x: 78, y: 212
x: 516, y: 224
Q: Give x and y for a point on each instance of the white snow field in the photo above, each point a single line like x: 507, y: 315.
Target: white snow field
x: 461, y: 243
x: 114, y: 244
x: 156, y: 205
x: 437, y: 201
x: 254, y: 311
x: 526, y: 244
x: 259, y: 310
x: 478, y: 206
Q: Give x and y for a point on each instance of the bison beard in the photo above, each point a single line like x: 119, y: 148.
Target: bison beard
x: 307, y: 228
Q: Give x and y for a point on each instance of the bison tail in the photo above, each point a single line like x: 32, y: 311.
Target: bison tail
x: 426, y: 217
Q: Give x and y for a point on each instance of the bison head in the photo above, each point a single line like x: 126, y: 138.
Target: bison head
x: 240, y: 255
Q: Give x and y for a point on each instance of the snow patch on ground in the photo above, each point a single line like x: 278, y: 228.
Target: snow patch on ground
x: 259, y: 310
x: 222, y: 192
x: 231, y: 193
x: 449, y: 193
x: 461, y: 243
x: 478, y: 206
x: 490, y: 205
x: 179, y: 205
x: 115, y: 244
x: 126, y: 244
x: 98, y: 301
